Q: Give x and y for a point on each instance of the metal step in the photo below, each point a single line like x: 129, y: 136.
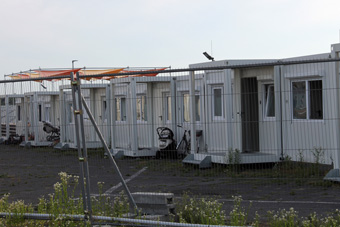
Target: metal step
x: 202, y: 164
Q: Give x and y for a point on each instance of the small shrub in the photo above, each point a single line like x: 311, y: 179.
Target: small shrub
x: 284, y: 218
x: 200, y: 211
x: 238, y: 216
x: 318, y: 154
x: 233, y: 159
x: 319, y: 158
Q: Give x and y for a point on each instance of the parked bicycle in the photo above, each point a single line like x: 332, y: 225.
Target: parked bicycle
x: 183, y: 148
x: 168, y: 146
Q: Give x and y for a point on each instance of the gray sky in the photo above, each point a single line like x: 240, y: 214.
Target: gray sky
x: 110, y: 33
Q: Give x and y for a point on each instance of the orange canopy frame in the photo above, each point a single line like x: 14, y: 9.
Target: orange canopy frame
x: 137, y: 75
x: 98, y: 72
x: 55, y: 73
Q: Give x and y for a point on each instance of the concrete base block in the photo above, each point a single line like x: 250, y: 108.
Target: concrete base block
x: 61, y: 146
x: 155, y: 203
x: 202, y: 163
x: 153, y: 198
x: 117, y: 154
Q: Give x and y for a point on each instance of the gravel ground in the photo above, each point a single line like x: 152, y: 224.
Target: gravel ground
x: 28, y: 174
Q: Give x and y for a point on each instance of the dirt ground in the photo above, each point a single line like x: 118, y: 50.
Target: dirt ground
x: 28, y: 174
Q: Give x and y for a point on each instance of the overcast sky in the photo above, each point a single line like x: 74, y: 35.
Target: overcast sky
x: 49, y: 34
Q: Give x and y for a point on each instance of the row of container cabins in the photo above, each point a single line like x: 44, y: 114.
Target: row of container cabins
x: 265, y: 112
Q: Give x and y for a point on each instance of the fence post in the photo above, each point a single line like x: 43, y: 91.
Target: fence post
x: 82, y: 153
x: 7, y: 116
x: 112, y: 116
x: 106, y: 148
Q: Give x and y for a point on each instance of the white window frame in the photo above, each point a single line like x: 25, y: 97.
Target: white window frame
x: 85, y: 114
x: 47, y: 112
x: 197, y: 108
x: 167, y: 112
x: 19, y: 112
x: 265, y: 89
x: 307, y: 94
x: 121, y: 107
x: 104, y: 108
x: 69, y: 113
x: 142, y: 107
x: 214, y: 117
x: 40, y: 112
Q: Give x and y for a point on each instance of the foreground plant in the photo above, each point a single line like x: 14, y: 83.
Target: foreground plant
x: 200, y: 211
x: 284, y: 218
x: 239, y: 215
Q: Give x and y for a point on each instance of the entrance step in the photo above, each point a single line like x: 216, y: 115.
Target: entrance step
x: 61, y: 146
x: 202, y: 162
x: 333, y: 175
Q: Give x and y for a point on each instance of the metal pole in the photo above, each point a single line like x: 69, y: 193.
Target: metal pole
x: 85, y: 158
x: 101, y: 137
x: 77, y: 217
x: 80, y: 155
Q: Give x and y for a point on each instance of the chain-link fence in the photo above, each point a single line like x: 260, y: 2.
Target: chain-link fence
x: 266, y: 139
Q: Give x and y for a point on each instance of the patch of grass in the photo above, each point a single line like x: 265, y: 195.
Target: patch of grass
x: 63, y: 201
x: 4, y: 175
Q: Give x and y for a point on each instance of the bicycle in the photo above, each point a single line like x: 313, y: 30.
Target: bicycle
x: 183, y: 148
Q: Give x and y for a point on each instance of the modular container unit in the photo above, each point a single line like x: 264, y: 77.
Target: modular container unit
x: 140, y: 105
x: 34, y: 109
x: 96, y: 97
x: 271, y: 113
x: 9, y: 114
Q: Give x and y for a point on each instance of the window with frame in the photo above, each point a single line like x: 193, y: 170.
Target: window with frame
x: 269, y: 101
x: 69, y: 112
x: 40, y: 112
x: 186, y: 107
x: 120, y: 109
x: 88, y: 102
x: 307, y: 99
x: 104, y: 108
x: 11, y: 101
x: 167, y: 110
x: 217, y: 108
x: 19, y: 113
x: 47, y: 112
x: 141, y: 108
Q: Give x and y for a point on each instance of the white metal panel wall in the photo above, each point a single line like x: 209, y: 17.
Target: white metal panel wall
x: 121, y: 134
x: 267, y: 126
x: 304, y: 136
x: 215, y: 127
x: 182, y: 87
x: 159, y: 93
